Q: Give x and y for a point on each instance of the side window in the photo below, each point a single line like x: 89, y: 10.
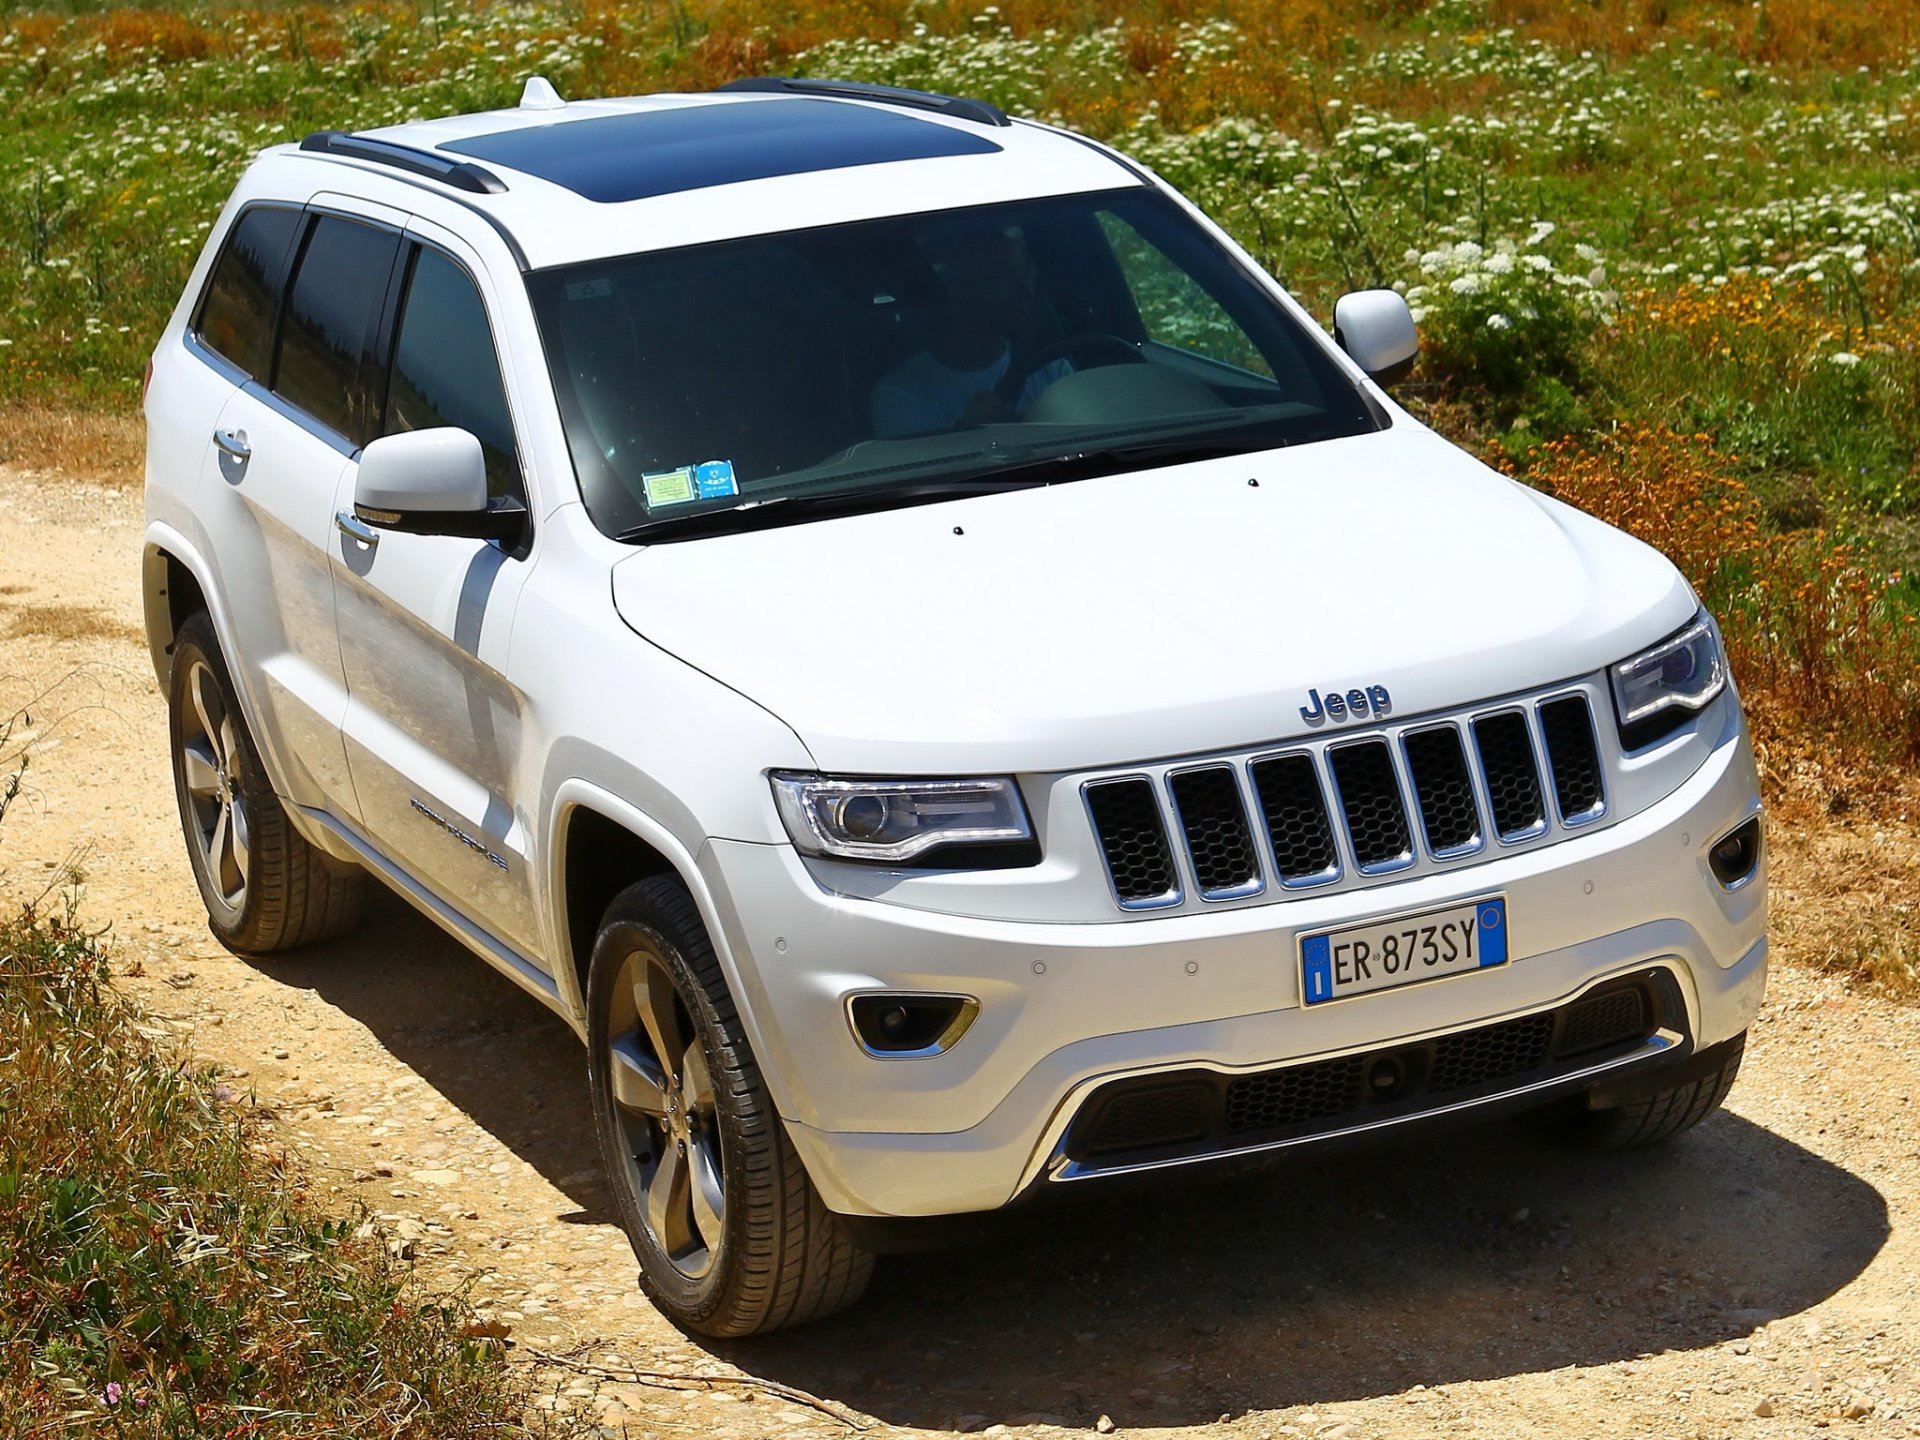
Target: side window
x: 326, y: 364
x: 1173, y: 307
x: 445, y: 370
x: 243, y: 296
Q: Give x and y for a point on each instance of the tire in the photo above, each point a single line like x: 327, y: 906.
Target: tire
x: 731, y: 1236
x: 264, y: 886
x: 1657, y: 1115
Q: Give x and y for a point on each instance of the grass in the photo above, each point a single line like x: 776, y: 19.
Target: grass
x: 163, y: 1271
x: 1666, y: 253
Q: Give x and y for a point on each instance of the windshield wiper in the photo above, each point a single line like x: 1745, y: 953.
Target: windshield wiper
x: 798, y: 509
x: 1015, y: 474
x: 1111, y: 459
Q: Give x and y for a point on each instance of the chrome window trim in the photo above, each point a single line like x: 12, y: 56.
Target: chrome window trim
x: 1480, y: 816
x: 287, y: 410
x: 1234, y: 778
x: 1152, y: 902
x: 207, y: 355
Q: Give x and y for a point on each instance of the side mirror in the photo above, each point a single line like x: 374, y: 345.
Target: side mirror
x: 433, y: 482
x: 1375, y: 327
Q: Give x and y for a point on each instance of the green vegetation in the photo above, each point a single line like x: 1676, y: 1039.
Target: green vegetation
x: 1688, y: 218
x: 162, y: 1272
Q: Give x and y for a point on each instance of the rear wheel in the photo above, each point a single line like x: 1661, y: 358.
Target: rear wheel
x: 264, y: 886
x: 731, y: 1237
x: 1657, y: 1114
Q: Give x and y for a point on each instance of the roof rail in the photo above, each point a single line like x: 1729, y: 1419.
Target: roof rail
x: 460, y: 174
x: 959, y: 107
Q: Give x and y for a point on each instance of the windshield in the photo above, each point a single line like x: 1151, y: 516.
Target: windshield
x: 890, y: 360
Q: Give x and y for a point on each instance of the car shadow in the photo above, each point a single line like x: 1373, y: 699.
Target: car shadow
x: 1472, y: 1255
x: 491, y: 1050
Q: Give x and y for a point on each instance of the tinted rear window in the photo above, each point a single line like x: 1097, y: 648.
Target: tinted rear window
x: 326, y: 364
x: 236, y: 318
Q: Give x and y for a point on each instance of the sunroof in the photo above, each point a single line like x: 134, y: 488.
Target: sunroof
x: 661, y: 152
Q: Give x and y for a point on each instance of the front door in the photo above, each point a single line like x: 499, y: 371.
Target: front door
x: 433, y: 729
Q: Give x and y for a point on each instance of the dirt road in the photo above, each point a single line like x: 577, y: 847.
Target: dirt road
x: 1756, y: 1279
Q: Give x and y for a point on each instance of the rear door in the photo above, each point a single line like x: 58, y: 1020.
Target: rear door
x: 282, y: 442
x: 433, y: 728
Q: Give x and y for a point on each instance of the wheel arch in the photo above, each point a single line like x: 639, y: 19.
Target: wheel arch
x: 583, y: 814
x: 597, y: 856
x: 171, y: 593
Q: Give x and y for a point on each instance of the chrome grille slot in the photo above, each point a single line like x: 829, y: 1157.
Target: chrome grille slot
x: 1213, y: 821
x: 1133, y: 841
x: 1371, y: 805
x: 1443, y: 788
x: 1567, y: 726
x: 1295, y: 812
x: 1513, y: 779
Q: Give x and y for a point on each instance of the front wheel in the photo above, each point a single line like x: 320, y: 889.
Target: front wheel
x: 731, y: 1237
x: 1649, y: 1116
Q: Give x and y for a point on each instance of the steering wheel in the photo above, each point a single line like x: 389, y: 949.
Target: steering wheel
x: 1088, y: 350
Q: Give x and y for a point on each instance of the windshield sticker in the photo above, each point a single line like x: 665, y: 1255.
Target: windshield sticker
x: 709, y: 480
x: 670, y: 487
x: 714, y: 479
x: 589, y: 289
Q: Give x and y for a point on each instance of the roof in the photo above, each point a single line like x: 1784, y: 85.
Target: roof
x: 606, y: 177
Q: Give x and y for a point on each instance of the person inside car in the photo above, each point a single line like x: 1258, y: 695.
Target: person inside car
x: 985, y: 322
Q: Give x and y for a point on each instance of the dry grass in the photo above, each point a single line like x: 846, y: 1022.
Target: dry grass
x: 1846, y: 874
x: 68, y: 622
x: 1827, y: 661
x: 100, y: 445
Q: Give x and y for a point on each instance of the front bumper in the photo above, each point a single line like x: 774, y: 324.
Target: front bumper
x: 1067, y: 1008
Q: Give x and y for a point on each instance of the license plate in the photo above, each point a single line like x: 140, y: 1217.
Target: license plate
x: 1359, y: 959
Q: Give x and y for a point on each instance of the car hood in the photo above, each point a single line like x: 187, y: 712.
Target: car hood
x: 1157, y: 613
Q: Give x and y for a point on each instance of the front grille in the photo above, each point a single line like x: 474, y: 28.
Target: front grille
x: 1444, y: 788
x: 1127, y: 818
x: 1567, y: 725
x: 1349, y: 802
x: 1295, y: 810
x: 1370, y: 800
x: 1214, y: 824
x: 1197, y: 1112
x: 1513, y: 779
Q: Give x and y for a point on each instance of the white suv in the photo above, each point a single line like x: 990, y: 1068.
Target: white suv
x: 889, y: 622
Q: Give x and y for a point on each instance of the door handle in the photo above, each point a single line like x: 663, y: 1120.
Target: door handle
x: 349, y: 525
x: 234, y: 442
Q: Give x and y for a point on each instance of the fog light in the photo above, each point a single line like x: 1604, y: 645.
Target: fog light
x: 899, y: 1027
x: 1735, y: 855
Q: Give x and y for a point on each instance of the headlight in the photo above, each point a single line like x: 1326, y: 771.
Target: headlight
x: 895, y: 821
x: 1655, y: 691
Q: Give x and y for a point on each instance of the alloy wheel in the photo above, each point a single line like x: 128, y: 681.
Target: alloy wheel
x: 210, y: 768
x: 664, y: 1102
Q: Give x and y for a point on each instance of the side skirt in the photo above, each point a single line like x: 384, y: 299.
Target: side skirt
x: 496, y: 952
